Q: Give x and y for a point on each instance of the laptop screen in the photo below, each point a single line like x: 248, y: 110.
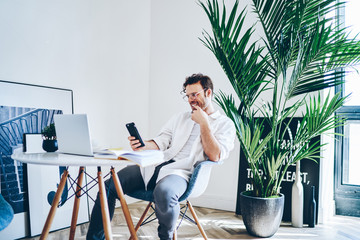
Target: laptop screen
x: 73, y: 135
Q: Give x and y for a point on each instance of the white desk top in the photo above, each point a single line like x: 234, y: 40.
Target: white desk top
x: 59, y: 159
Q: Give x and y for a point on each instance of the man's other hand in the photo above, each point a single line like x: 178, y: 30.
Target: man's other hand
x: 199, y: 116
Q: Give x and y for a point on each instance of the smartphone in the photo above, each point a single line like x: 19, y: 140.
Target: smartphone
x: 134, y: 132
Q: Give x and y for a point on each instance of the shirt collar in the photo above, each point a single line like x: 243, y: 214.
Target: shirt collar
x: 215, y: 114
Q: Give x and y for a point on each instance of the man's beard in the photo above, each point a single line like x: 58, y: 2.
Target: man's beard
x: 202, y: 104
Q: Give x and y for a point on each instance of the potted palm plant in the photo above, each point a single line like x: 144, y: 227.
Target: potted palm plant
x: 302, y: 52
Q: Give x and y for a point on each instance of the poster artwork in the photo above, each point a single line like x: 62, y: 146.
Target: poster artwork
x: 14, y: 122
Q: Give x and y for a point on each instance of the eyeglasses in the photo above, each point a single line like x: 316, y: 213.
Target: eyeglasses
x: 192, y: 95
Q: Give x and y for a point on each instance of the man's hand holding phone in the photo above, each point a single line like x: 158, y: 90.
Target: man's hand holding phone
x: 135, y: 144
x: 135, y: 140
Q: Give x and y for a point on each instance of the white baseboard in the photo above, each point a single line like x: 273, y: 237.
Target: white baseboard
x: 215, y: 202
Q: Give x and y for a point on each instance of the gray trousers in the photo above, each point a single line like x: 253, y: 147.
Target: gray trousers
x: 166, y: 194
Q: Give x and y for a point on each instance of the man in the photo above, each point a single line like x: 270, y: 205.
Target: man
x: 186, y: 139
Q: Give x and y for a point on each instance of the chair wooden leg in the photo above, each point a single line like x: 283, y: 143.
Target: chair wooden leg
x: 54, y: 205
x: 124, y: 205
x: 76, y: 204
x: 196, y: 220
x: 175, y: 234
x: 175, y: 230
x: 104, y: 207
x: 142, y: 218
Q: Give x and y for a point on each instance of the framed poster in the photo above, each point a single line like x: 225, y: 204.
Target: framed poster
x: 309, y: 174
x: 26, y: 108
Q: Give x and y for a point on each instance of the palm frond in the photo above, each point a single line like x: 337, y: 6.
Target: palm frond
x: 324, y: 50
x: 301, y: 51
x: 240, y: 59
x: 272, y: 16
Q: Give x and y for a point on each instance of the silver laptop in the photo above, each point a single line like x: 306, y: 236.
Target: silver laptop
x: 73, y: 135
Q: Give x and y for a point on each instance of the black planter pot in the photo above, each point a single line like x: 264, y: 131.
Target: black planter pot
x: 261, y: 216
x: 50, y: 145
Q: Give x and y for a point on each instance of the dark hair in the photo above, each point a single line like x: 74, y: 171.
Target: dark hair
x: 204, y: 80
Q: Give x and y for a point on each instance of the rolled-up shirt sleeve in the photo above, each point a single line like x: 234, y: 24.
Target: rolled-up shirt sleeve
x: 164, y: 138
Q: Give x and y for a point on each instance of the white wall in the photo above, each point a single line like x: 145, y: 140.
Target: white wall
x: 176, y: 52
x: 124, y: 60
x: 99, y: 49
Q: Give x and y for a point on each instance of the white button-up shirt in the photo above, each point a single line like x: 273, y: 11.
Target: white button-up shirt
x: 176, y: 133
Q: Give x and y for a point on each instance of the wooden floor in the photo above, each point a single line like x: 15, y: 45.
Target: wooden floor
x: 223, y: 225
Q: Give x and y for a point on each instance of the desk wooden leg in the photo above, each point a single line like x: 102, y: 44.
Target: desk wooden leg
x: 54, y: 205
x: 104, y: 207
x: 123, y: 203
x: 76, y: 203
